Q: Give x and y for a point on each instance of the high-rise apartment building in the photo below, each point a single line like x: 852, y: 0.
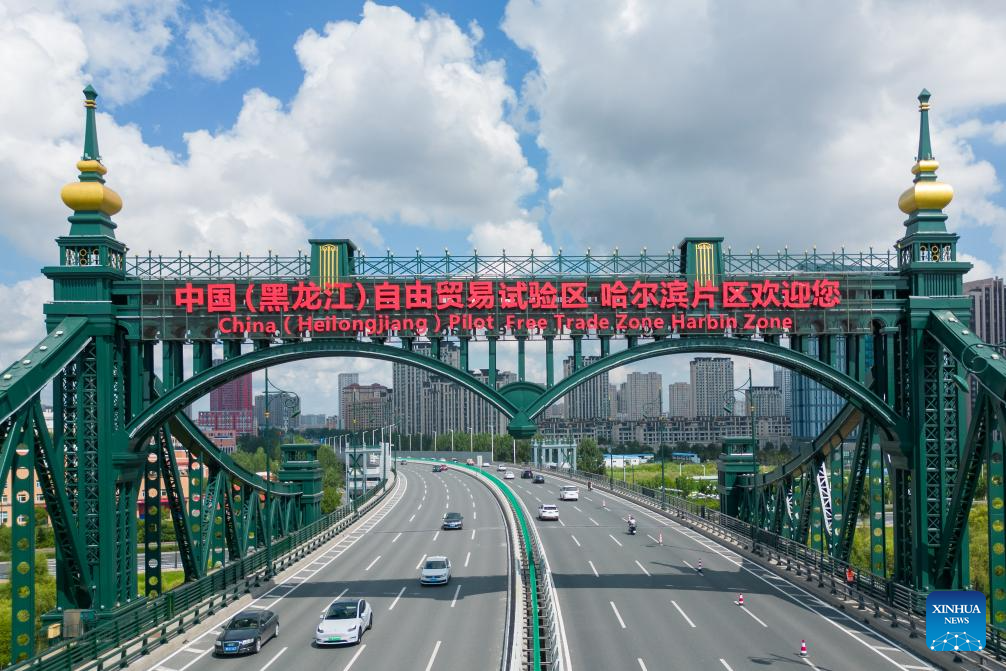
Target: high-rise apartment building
x: 782, y: 379
x: 765, y: 401
x: 591, y: 399
x: 813, y: 405
x: 366, y: 407
x: 426, y: 403
x: 231, y: 413
x: 712, y: 381
x: 643, y: 396
x: 344, y: 380
x: 988, y: 309
x: 679, y: 400
x: 283, y: 407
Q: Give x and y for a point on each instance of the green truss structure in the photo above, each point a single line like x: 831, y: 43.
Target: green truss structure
x: 898, y: 351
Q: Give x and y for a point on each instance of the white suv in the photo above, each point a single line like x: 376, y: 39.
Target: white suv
x: 569, y: 493
x: 548, y: 511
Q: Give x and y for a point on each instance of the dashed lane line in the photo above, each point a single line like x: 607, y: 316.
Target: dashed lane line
x: 274, y: 658
x: 642, y: 568
x: 355, y: 657
x: 436, y: 649
x: 575, y: 541
x: 687, y: 619
x: 617, y: 614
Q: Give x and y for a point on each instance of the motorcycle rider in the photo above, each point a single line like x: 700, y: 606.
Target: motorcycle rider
x: 632, y: 524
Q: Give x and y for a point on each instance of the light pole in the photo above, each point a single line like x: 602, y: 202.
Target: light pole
x: 728, y: 406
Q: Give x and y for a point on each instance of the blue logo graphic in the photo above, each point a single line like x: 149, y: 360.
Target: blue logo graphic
x: 955, y: 621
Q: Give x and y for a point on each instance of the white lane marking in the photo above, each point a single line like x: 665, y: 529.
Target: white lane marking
x: 436, y: 536
x: 537, y: 499
x: 642, y: 568
x: 641, y: 665
x: 594, y: 521
x: 577, y: 509
x: 562, y: 523
x: 196, y: 650
x: 809, y: 664
x: 725, y: 665
x: 371, y: 564
x: 687, y: 619
x: 377, y: 516
x: 593, y: 569
x: 342, y: 594
x: 419, y: 507
x: 617, y: 542
x: 455, y: 599
x: 420, y: 564
x: 687, y: 564
x: 392, y: 606
x: 413, y: 517
x: 436, y: 648
x: 575, y: 541
x: 651, y: 538
x: 274, y: 658
x: 757, y: 619
x: 397, y: 537
x: 467, y: 557
x: 475, y: 515
x: 358, y: 652
x: 617, y: 614
x: 473, y: 534
x: 589, y: 499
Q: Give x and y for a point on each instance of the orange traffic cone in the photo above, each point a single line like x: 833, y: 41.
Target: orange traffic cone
x: 740, y: 600
x: 803, y: 648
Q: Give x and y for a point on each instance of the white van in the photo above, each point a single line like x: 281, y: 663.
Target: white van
x: 569, y: 493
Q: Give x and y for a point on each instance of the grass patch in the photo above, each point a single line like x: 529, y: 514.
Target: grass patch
x: 170, y: 579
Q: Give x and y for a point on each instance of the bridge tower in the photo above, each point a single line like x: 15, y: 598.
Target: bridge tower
x: 92, y: 397
x: 929, y: 393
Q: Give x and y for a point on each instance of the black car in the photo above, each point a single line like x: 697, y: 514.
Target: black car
x: 436, y: 468
x: 539, y: 479
x: 526, y: 475
x: 453, y: 521
x: 246, y: 632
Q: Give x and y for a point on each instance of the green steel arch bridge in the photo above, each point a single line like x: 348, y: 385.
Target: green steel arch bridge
x: 888, y: 331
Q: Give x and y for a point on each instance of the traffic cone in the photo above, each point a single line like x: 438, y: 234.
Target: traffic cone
x: 660, y: 538
x: 700, y: 566
x: 740, y: 600
x: 603, y: 505
x: 803, y: 648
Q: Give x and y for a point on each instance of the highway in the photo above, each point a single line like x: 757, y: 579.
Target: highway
x: 630, y: 602
x: 458, y: 626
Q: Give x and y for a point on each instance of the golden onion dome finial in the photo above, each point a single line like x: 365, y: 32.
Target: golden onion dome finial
x: 89, y: 193
x: 927, y: 193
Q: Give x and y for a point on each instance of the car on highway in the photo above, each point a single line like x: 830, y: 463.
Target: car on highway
x: 246, y: 632
x: 501, y: 467
x: 508, y: 476
x: 470, y: 462
x: 344, y: 621
x: 487, y: 464
x: 548, y: 511
x: 435, y: 571
x: 436, y: 468
x: 452, y: 521
x: 402, y: 462
x: 527, y: 474
x: 569, y: 493
x: 539, y: 479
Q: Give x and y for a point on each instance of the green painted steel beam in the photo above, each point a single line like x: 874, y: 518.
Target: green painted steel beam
x: 22, y: 557
x: 996, y: 497
x: 198, y: 385
x: 854, y: 492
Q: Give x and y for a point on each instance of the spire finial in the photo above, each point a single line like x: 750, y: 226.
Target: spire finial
x: 927, y: 194
x: 91, y: 152
x: 89, y: 193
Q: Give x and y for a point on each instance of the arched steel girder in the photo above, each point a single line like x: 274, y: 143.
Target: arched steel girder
x: 856, y: 393
x: 188, y: 391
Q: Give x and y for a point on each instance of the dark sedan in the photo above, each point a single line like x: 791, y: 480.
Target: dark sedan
x: 246, y: 632
x: 453, y: 521
x: 539, y: 479
x: 527, y: 475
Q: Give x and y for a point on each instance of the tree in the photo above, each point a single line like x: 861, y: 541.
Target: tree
x: 589, y: 457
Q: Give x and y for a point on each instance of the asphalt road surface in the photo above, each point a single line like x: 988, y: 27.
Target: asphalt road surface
x: 457, y: 626
x: 630, y: 602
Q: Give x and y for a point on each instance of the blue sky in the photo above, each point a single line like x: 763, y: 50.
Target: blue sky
x: 241, y: 127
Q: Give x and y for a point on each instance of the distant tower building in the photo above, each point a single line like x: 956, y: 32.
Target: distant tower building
x: 366, y: 407
x: 712, y: 380
x: 614, y: 401
x: 988, y: 309
x: 782, y: 378
x: 766, y: 401
x: 813, y: 405
x: 643, y: 396
x: 232, y: 410
x: 679, y: 400
x: 346, y: 379
x: 591, y: 399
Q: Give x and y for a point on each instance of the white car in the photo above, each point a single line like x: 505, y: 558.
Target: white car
x: 508, y: 476
x: 435, y: 571
x: 344, y: 621
x: 501, y: 467
x: 569, y: 493
x: 548, y: 511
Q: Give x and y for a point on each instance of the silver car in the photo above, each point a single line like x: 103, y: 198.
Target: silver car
x: 344, y: 621
x: 435, y: 571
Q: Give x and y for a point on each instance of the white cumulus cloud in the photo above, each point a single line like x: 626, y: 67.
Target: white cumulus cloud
x: 218, y: 45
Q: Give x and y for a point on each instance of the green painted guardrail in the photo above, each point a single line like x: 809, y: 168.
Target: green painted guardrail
x: 526, y: 535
